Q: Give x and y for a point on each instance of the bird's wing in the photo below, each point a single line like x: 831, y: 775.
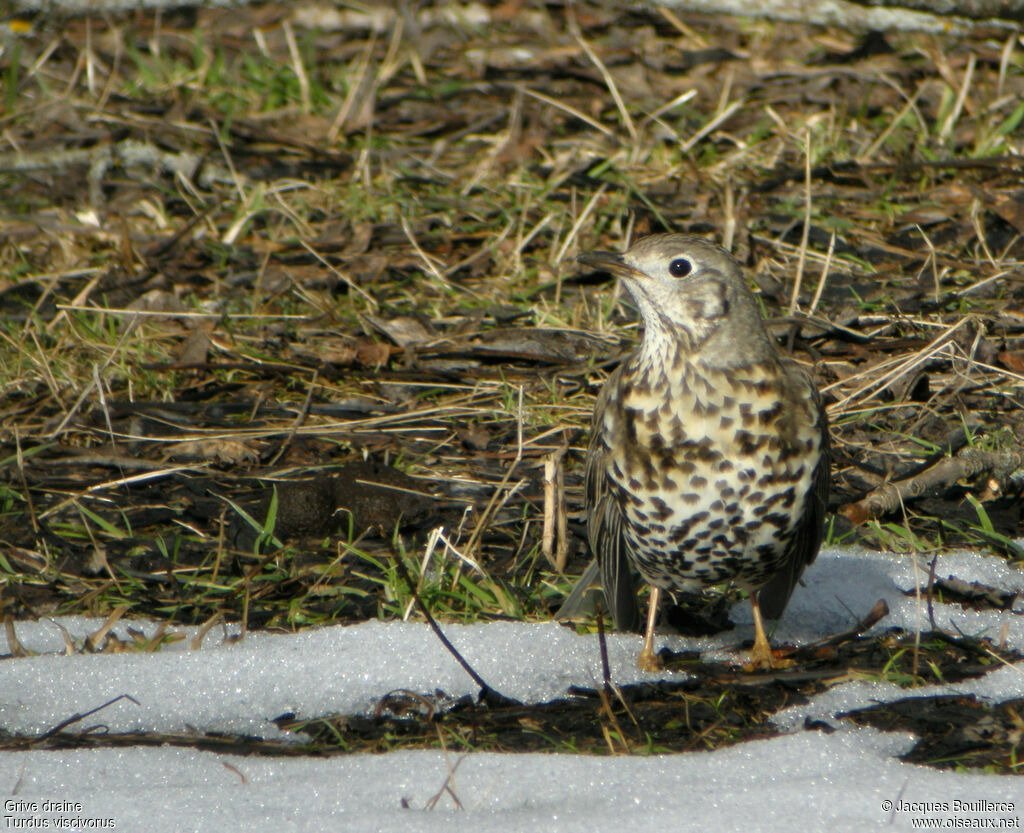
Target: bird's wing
x: 604, y: 518
x: 585, y: 596
x: 604, y: 529
x: 803, y: 549
x: 605, y: 534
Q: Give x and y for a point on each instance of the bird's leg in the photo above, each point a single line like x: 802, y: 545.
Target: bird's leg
x: 761, y: 654
x: 648, y: 660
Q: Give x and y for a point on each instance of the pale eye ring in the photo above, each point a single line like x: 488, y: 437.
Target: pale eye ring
x: 680, y: 267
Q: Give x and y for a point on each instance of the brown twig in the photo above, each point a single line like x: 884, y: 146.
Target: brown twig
x: 875, y: 615
x: 75, y: 718
x: 17, y: 649
x: 487, y: 694
x: 300, y: 420
x: 970, y: 464
x: 446, y: 787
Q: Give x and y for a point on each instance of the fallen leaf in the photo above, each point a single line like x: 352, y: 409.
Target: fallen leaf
x: 232, y: 452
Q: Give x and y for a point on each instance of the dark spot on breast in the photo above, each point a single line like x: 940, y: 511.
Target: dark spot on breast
x: 661, y: 509
x: 769, y: 414
x: 749, y: 443
x: 780, y: 520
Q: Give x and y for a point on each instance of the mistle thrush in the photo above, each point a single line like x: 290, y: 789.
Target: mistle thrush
x: 708, y: 456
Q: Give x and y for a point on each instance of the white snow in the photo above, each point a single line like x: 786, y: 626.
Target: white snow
x: 806, y: 780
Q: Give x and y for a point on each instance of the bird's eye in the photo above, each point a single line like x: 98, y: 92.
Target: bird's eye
x: 680, y: 267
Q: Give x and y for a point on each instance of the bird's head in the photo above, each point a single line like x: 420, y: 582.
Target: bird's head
x: 692, y: 293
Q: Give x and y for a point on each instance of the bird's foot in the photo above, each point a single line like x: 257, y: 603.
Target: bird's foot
x: 762, y: 658
x: 649, y: 661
